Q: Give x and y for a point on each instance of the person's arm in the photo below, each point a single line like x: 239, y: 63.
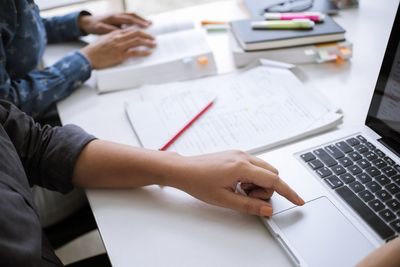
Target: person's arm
x: 39, y: 89
x: 64, y: 28
x: 211, y: 178
x: 387, y: 255
x: 59, y: 157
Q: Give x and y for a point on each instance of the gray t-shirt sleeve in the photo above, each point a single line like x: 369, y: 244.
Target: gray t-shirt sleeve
x: 47, y: 153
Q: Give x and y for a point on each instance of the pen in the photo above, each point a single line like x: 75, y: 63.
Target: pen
x: 314, y: 16
x: 283, y: 24
x: 184, y: 128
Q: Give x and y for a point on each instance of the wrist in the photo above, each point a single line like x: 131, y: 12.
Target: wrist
x: 84, y: 21
x: 173, y: 171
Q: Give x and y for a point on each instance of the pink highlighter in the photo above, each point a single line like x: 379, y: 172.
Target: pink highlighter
x: 314, y: 16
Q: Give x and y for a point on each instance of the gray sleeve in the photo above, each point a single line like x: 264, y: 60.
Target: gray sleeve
x: 48, y: 154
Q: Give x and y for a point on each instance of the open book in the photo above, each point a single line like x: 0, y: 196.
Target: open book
x: 181, y: 53
x: 254, y: 110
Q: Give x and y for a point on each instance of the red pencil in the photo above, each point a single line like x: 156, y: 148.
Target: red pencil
x: 184, y: 128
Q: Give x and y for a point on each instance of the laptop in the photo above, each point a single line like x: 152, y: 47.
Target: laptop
x: 350, y: 180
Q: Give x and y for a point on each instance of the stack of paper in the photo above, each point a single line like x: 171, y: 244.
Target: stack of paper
x: 254, y: 111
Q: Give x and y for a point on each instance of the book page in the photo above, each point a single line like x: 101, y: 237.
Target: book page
x: 161, y: 24
x: 173, y: 46
x: 253, y: 109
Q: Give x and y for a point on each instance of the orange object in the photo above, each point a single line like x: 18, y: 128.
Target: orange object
x: 202, y: 61
x: 211, y: 22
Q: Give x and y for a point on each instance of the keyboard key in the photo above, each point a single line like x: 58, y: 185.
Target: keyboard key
x: 315, y: 164
x: 361, y: 149
x: 389, y: 171
x: 370, y: 156
x: 347, y: 178
x: 376, y: 205
x: 324, y: 172
x: 325, y: 157
x: 370, y: 145
x: 361, y: 138
x: 396, y: 179
x: 373, y: 186
x: 382, y: 180
x: 379, y: 163
x: 379, y: 153
x: 354, y: 169
x: 363, y: 163
x: 389, y: 160
x: 345, y: 162
x: 338, y: 170
x: 344, y: 147
x: 357, y: 187
x: 394, y: 205
x: 380, y: 227
x: 352, y: 141
x: 354, y: 156
x: 396, y: 225
x: 383, y: 195
x: 373, y: 171
x: 307, y: 157
x: 366, y: 195
x: 387, y: 215
x: 334, y: 151
x: 333, y: 182
x: 397, y: 167
x: 393, y: 189
x: 363, y: 178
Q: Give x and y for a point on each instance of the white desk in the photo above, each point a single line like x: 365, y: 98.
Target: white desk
x: 165, y: 227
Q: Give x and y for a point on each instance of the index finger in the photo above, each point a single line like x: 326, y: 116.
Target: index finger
x: 286, y: 191
x: 270, y: 180
x: 131, y: 18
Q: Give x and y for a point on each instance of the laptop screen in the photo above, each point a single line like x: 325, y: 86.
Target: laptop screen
x: 384, y: 112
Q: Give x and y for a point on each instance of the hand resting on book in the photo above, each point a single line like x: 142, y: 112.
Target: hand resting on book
x: 117, y: 46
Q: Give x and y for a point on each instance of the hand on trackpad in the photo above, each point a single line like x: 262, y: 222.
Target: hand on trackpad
x: 321, y: 235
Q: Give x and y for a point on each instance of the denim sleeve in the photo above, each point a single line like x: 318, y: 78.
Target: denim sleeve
x: 48, y: 154
x: 39, y: 89
x: 63, y: 28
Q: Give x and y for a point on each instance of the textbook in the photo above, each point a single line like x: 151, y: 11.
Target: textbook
x: 182, y: 53
x: 254, y: 110
x: 254, y: 39
x: 315, y: 53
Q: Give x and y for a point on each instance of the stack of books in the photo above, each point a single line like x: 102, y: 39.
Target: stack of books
x: 324, y: 41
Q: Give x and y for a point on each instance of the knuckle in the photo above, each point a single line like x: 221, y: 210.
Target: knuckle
x: 274, y: 180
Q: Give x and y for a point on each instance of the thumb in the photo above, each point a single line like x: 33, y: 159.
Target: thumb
x: 245, y: 204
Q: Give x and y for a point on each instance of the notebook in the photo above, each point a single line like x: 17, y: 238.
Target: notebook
x: 182, y: 53
x: 250, y: 39
x: 254, y: 110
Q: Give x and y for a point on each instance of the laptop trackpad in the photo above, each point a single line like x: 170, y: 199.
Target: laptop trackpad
x: 320, y: 234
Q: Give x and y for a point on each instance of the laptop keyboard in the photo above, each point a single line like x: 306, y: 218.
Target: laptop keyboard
x: 364, y: 177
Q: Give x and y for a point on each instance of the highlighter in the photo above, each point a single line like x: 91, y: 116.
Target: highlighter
x: 295, y: 24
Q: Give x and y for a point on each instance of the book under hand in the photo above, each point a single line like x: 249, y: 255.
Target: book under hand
x: 254, y: 39
x: 182, y: 53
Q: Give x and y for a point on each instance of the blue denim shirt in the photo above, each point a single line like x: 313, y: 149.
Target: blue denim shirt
x: 23, y: 37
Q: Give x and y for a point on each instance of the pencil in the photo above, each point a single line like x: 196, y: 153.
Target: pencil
x: 187, y: 126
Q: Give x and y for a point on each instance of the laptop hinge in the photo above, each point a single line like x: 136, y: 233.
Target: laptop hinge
x: 391, y: 144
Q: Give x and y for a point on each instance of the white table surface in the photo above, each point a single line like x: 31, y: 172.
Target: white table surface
x: 165, y: 227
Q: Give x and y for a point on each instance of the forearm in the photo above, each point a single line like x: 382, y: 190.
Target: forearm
x: 388, y: 255
x: 105, y: 164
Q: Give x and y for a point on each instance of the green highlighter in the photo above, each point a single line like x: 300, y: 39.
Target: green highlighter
x: 295, y: 24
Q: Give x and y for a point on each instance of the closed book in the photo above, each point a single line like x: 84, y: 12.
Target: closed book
x: 255, y: 39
